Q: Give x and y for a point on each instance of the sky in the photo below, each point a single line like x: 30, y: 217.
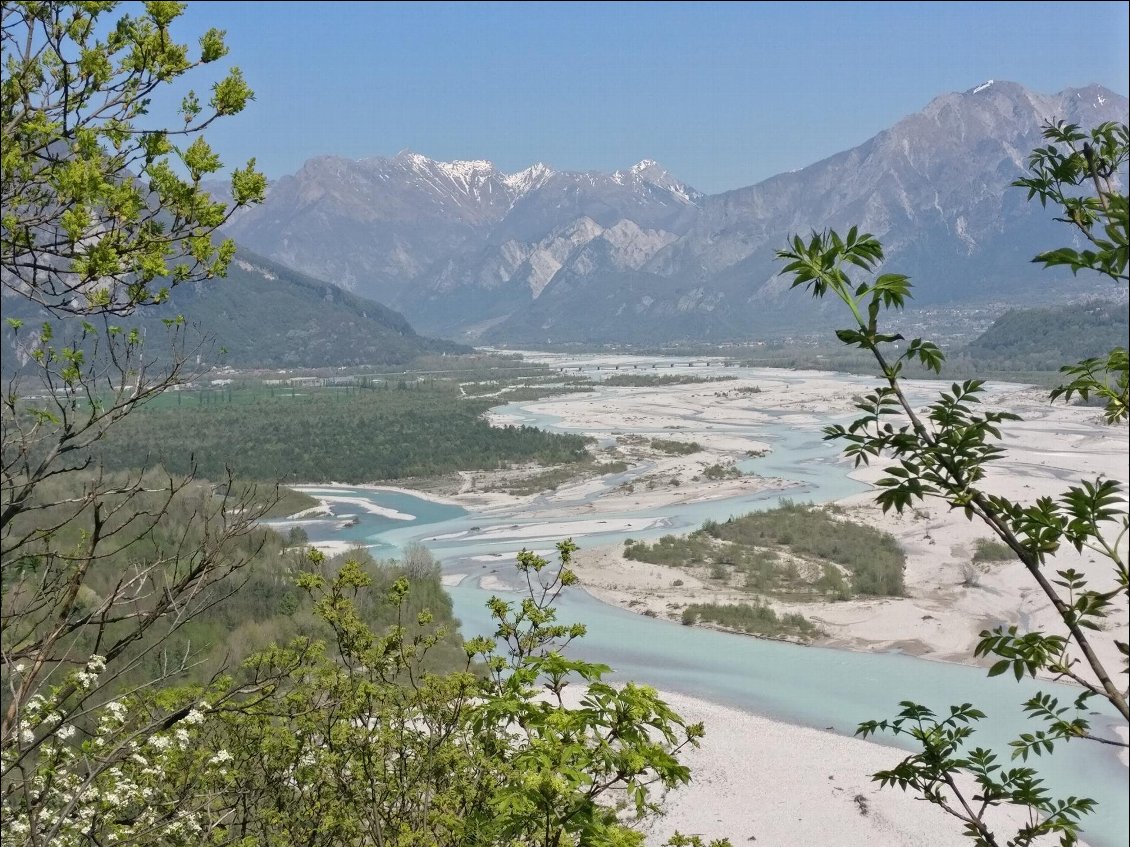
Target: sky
x: 722, y: 94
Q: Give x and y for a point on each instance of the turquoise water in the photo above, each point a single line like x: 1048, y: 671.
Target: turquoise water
x: 815, y: 687
x: 825, y: 688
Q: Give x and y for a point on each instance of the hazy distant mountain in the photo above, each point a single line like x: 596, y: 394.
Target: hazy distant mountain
x: 635, y: 255
x: 264, y: 314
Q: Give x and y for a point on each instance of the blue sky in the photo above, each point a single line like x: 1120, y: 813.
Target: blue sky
x: 722, y: 94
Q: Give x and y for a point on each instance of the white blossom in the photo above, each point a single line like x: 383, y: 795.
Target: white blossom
x: 194, y: 717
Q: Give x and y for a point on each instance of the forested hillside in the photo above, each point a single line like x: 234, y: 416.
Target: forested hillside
x: 265, y: 315
x: 1043, y: 339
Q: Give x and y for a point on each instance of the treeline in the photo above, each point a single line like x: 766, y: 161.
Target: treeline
x: 631, y: 380
x: 850, y: 558
x: 318, y: 435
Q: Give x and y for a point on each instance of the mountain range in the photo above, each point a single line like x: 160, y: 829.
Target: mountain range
x: 468, y: 251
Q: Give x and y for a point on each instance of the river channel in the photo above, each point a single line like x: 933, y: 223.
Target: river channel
x: 810, y: 686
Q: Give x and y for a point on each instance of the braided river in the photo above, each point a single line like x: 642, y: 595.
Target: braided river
x: 823, y: 688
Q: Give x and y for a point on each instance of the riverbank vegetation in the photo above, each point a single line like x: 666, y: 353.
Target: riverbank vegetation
x: 753, y: 618
x: 675, y: 448
x: 794, y: 552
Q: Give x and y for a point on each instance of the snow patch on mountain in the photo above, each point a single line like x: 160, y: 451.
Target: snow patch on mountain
x: 255, y: 269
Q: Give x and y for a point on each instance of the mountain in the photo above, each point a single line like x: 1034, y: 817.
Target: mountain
x: 264, y: 314
x: 543, y: 255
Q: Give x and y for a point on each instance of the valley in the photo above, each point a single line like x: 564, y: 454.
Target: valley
x: 938, y: 618
x: 352, y: 498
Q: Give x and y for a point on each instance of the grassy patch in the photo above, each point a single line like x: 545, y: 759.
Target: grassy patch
x: 991, y: 550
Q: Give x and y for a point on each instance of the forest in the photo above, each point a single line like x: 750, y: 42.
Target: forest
x: 315, y: 434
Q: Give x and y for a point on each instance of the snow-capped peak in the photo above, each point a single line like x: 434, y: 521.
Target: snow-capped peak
x: 529, y: 179
x: 460, y: 170
x: 653, y: 173
x: 982, y: 86
x: 410, y: 157
x: 463, y: 170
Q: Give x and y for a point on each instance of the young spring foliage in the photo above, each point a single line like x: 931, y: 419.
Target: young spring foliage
x: 103, y: 209
x: 351, y: 741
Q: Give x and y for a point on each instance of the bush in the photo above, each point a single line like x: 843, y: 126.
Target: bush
x: 753, y: 618
x: 991, y: 550
x: 675, y: 448
x: 718, y: 471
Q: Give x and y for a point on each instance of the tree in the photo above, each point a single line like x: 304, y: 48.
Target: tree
x: 102, y: 212
x: 364, y: 748
x: 944, y: 451
x: 94, y: 210
x: 94, y: 215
